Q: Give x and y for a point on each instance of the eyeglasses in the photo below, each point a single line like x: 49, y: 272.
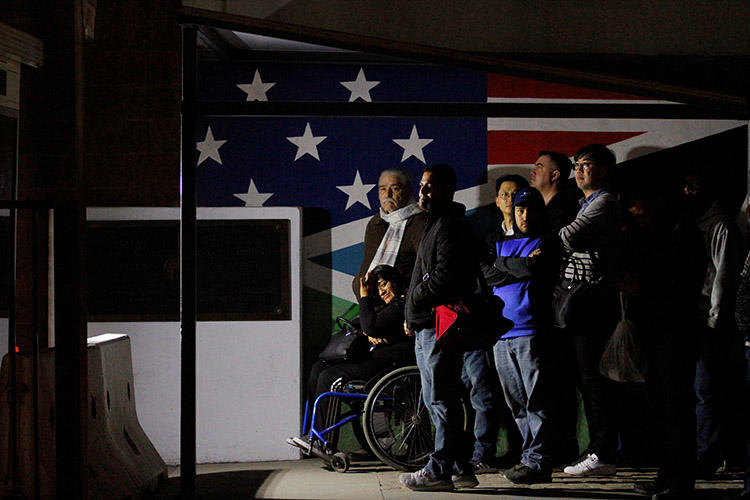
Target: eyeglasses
x: 584, y: 165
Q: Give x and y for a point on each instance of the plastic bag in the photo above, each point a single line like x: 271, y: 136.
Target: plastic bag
x: 623, y: 359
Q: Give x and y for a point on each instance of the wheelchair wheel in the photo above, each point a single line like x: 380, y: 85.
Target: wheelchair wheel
x: 396, y: 423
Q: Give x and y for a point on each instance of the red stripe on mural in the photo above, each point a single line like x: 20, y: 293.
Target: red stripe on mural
x: 521, y: 146
x: 510, y: 87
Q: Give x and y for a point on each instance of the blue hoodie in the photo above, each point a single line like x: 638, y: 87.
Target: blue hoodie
x: 525, y: 287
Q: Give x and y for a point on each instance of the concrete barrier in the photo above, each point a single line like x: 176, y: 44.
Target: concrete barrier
x: 122, y: 461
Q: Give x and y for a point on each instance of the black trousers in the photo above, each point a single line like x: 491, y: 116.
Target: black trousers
x: 588, y: 332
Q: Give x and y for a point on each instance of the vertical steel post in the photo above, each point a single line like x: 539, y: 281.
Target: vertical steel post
x: 71, y: 369
x: 188, y: 292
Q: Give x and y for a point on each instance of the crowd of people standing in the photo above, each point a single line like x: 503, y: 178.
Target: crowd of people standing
x: 564, y: 262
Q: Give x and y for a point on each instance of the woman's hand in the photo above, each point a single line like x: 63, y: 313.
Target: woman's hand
x: 363, y: 290
x: 366, y: 286
x: 376, y: 342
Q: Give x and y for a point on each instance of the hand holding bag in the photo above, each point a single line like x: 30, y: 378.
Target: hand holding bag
x: 623, y: 359
x: 349, y: 344
x: 474, y: 323
x: 567, y: 298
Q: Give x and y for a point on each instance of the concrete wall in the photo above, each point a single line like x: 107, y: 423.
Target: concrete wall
x: 248, y: 372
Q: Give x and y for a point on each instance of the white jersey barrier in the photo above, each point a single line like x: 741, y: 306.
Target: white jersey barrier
x: 122, y: 461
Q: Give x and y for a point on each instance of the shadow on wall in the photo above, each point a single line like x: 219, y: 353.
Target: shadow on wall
x: 658, y: 172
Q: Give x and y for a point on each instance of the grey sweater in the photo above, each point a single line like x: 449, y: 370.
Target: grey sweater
x: 592, y: 243
x: 724, y: 251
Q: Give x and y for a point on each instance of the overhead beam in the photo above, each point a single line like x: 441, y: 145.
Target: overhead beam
x: 493, y: 64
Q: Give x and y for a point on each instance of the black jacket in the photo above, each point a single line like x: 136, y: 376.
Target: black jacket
x: 446, y: 267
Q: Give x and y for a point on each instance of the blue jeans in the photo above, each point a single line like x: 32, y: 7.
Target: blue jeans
x: 479, y: 377
x: 440, y: 371
x: 524, y: 370
x: 717, y: 376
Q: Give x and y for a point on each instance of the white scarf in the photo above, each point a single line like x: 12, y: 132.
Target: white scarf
x: 391, y: 242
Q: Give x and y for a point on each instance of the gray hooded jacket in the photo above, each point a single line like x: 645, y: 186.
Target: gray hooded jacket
x: 724, y: 249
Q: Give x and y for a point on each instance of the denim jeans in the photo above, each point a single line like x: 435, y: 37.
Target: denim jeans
x: 440, y: 371
x: 479, y: 377
x: 523, y: 364
x: 718, y: 376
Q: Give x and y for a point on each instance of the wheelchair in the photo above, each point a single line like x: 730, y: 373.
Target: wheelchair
x: 389, y: 419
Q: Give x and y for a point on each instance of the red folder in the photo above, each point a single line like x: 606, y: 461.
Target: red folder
x: 445, y: 319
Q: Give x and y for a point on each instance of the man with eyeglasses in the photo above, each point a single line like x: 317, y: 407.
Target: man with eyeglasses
x: 506, y: 188
x: 591, y: 255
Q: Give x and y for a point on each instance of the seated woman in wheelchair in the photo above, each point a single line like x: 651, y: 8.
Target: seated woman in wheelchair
x: 381, y: 317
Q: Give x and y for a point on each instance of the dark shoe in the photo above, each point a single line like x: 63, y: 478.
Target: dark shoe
x: 467, y: 480
x: 511, y: 470
x: 658, y: 490
x: 526, y: 475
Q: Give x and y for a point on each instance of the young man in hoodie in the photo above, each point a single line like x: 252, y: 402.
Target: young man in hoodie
x: 444, y: 273
x: 523, y: 277
x: 718, y: 342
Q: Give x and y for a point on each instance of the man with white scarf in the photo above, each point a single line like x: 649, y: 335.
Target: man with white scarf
x: 392, y: 235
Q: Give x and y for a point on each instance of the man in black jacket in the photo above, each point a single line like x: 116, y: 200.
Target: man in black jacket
x: 444, y: 273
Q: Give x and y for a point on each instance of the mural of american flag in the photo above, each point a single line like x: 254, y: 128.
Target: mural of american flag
x: 333, y: 163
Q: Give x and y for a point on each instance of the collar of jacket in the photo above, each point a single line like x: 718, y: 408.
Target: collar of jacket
x: 446, y: 208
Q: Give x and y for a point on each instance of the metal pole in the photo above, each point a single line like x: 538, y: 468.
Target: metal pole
x: 12, y: 392
x: 188, y: 292
x: 71, y: 388
x: 35, y: 345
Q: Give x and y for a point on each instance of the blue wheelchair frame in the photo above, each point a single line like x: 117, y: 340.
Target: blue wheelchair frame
x: 319, y: 435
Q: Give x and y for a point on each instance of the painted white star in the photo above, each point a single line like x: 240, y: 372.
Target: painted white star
x: 209, y: 148
x: 360, y: 88
x: 357, y: 192
x: 256, y: 91
x: 413, y: 145
x: 307, y: 144
x: 253, y: 198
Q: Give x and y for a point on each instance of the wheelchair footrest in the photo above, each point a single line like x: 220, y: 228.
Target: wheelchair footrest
x: 309, y: 448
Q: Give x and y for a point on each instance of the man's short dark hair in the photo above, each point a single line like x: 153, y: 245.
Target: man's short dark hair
x: 445, y: 173
x: 597, y: 153
x: 562, y: 163
x: 521, y: 182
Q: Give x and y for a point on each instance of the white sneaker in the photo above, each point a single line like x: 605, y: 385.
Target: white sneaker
x: 423, y: 481
x: 590, y: 466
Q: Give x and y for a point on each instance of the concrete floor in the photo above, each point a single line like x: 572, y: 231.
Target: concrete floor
x: 309, y: 479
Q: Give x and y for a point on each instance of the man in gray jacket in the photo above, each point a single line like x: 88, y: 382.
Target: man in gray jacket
x: 591, y: 255
x: 718, y: 342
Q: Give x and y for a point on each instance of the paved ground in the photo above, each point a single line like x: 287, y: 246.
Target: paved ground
x: 309, y: 479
